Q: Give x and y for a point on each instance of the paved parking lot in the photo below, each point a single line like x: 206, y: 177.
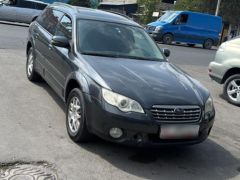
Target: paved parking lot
x: 32, y: 127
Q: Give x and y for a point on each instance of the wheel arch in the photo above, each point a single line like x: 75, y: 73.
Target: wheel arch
x: 34, y: 18
x: 230, y: 72
x: 75, y: 81
x: 29, y: 45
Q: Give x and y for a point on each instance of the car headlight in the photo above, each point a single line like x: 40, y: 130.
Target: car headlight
x: 123, y: 103
x: 209, y: 105
x: 158, y: 28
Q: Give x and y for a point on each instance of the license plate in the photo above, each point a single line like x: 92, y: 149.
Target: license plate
x: 179, y: 131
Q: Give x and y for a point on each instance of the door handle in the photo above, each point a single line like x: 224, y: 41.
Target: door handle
x: 50, y: 46
x: 36, y: 35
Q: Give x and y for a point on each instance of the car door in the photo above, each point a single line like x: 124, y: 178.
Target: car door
x: 26, y: 11
x: 182, y: 32
x: 8, y: 11
x: 43, y: 34
x: 59, y: 56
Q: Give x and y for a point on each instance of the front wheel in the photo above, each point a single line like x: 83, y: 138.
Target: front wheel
x: 232, y: 89
x: 75, y: 117
x: 167, y: 39
x: 208, y: 44
x: 32, y: 75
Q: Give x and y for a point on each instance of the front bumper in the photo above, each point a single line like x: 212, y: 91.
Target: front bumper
x: 138, y: 129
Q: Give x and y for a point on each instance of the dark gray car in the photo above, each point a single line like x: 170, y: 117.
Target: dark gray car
x: 115, y: 80
x: 22, y: 11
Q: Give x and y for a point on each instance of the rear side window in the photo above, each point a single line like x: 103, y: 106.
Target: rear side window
x: 64, y: 27
x: 49, y: 19
x: 25, y: 4
x: 40, y: 6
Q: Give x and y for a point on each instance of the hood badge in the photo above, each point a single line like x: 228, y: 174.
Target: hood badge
x: 179, y: 110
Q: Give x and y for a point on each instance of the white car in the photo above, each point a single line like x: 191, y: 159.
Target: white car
x: 225, y: 69
x: 22, y: 11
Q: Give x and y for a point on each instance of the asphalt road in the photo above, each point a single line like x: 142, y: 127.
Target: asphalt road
x: 32, y: 127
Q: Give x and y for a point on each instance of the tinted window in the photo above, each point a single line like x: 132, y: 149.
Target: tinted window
x: 25, y: 4
x: 40, y: 6
x: 49, y: 19
x: 182, y: 19
x: 115, y: 40
x: 65, y: 27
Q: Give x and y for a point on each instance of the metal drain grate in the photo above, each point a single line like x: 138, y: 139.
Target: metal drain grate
x: 28, y: 171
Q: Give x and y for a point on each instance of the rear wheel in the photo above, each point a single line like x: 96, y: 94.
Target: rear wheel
x: 75, y: 117
x: 232, y: 89
x: 208, y: 44
x: 167, y: 39
x: 32, y: 75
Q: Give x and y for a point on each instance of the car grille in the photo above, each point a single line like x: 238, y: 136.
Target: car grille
x: 176, y: 114
x: 151, y: 28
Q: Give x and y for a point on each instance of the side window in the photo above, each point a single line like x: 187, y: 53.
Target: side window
x: 64, y: 27
x: 12, y: 2
x: 40, y: 6
x: 49, y: 19
x: 182, y: 19
x: 25, y: 4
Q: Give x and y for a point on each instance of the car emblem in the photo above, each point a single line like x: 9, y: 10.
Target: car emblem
x: 179, y: 110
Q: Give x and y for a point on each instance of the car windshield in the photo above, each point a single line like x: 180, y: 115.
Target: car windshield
x: 99, y: 38
x: 168, y: 17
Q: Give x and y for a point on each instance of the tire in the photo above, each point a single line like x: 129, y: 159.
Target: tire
x: 76, y: 123
x: 167, y: 39
x: 32, y: 75
x: 191, y: 45
x: 231, y: 90
x: 208, y: 44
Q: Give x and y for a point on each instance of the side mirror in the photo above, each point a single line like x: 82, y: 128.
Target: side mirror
x: 60, y: 41
x: 166, y: 52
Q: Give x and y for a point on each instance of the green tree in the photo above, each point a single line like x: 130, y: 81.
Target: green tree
x: 229, y: 10
x: 146, y: 8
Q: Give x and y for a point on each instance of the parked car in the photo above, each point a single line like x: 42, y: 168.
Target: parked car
x: 187, y: 27
x: 226, y: 69
x: 22, y: 11
x: 115, y: 80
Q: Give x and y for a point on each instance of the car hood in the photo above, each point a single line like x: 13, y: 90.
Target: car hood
x: 149, y: 82
x: 157, y: 23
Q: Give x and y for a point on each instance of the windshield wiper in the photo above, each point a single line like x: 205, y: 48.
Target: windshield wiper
x: 100, y: 54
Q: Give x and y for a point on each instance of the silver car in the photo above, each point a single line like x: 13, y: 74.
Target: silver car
x: 226, y: 69
x: 23, y: 11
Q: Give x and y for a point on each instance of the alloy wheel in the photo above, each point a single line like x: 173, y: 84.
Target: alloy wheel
x: 233, y: 90
x: 74, y: 115
x: 30, y: 64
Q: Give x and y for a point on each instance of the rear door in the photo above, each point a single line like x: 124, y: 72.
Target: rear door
x: 8, y: 11
x: 26, y: 11
x: 43, y: 34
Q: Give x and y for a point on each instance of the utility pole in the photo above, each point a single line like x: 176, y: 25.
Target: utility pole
x: 218, y: 7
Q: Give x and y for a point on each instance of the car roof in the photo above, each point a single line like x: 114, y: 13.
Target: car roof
x: 93, y: 14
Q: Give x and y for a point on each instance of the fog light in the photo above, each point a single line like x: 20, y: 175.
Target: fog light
x: 115, y: 132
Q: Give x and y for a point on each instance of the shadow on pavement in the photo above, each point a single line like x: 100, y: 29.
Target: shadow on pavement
x: 204, y: 161
x: 207, y: 160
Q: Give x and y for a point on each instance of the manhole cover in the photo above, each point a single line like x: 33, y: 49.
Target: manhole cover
x: 28, y: 171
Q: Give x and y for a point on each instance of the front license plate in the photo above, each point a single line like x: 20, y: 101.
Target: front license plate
x: 179, y: 131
